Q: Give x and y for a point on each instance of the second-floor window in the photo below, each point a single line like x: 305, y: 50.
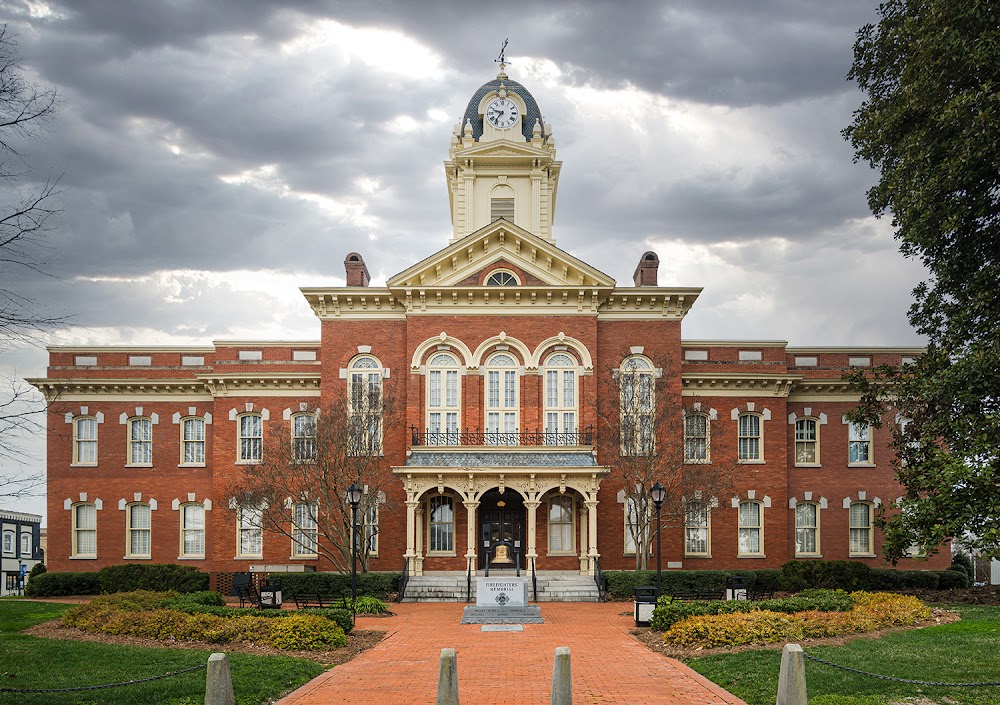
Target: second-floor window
x: 193, y: 441
x: 85, y: 441
x: 859, y: 444
x: 806, y: 442
x: 251, y: 439
x: 696, y: 438
x: 560, y: 400
x: 502, y: 417
x: 637, y: 406
x: 304, y: 437
x: 365, y: 390
x: 443, y: 400
x: 750, y: 447
x: 140, y: 441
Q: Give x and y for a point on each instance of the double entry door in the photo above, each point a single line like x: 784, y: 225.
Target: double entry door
x: 501, y: 518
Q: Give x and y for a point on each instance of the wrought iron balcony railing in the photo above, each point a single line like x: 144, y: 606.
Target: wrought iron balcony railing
x: 527, y: 437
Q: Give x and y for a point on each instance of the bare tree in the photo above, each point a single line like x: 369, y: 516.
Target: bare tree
x: 641, y: 435
x: 308, y: 463
x: 26, y: 213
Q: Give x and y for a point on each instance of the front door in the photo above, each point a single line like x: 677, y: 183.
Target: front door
x: 501, y: 518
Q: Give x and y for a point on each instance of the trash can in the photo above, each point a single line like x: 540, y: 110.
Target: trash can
x: 270, y: 594
x: 645, y: 603
x: 736, y: 587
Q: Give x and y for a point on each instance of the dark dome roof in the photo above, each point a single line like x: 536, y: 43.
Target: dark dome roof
x: 527, y: 121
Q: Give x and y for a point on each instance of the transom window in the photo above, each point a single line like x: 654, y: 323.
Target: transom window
x: 193, y: 441
x: 807, y: 529
x: 751, y: 531
x: 561, y: 524
x: 560, y: 400
x: 441, y: 524
x: 365, y: 389
x: 696, y: 438
x: 443, y: 400
x: 304, y: 437
x: 861, y: 529
x: 637, y: 406
x: 859, y: 443
x: 696, y: 534
x: 502, y: 417
x: 85, y: 440
x: 140, y: 446
x: 139, y: 531
x: 192, y: 531
x: 502, y: 277
x: 85, y: 530
x: 251, y: 438
x: 806, y: 442
x: 750, y: 448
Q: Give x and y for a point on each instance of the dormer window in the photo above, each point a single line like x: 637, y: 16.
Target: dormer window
x: 502, y: 277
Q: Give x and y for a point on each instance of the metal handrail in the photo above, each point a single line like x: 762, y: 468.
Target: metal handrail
x: 527, y: 437
x: 468, y: 581
x: 404, y: 579
x: 599, y: 579
x: 534, y: 583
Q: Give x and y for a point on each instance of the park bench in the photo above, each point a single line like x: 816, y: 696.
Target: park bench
x: 248, y: 595
x: 321, y: 600
x: 680, y: 596
x: 760, y: 594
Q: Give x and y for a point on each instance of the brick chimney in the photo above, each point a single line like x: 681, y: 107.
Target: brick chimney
x: 645, y: 271
x: 357, y: 272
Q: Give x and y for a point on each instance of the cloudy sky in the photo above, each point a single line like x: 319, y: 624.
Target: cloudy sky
x: 215, y: 156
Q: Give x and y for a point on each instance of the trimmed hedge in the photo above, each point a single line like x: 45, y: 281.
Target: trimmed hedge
x: 849, y: 575
x: 61, y: 584
x: 622, y: 583
x: 152, y: 576
x: 379, y: 585
x: 668, y: 613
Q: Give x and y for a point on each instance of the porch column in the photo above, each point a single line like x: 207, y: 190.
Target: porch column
x: 592, y: 555
x: 418, y: 561
x: 532, y: 507
x: 584, y: 546
x: 411, y: 533
x: 470, y: 540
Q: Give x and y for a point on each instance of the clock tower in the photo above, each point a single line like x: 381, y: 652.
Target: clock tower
x: 502, y: 162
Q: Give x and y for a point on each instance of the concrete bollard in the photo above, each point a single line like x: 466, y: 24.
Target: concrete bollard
x: 792, y: 677
x: 562, y: 681
x: 448, y: 678
x: 218, y: 681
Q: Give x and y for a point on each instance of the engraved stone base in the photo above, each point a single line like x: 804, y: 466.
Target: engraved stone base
x: 529, y: 614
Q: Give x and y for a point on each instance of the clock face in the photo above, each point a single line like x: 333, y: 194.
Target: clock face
x: 502, y: 113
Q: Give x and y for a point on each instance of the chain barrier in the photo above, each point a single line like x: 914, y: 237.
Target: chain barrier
x: 899, y: 680
x: 105, y: 685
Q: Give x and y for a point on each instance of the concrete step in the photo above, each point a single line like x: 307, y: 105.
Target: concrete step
x: 552, y: 587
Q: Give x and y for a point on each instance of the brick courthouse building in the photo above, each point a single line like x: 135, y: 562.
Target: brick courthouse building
x: 498, y: 332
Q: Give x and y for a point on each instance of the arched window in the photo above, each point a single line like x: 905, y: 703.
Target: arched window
x: 696, y: 438
x: 192, y: 531
x: 502, y: 404
x: 560, y: 400
x: 365, y: 390
x: 140, y: 441
x: 637, y: 406
x: 561, y: 532
x: 502, y: 203
x: 304, y: 437
x: 85, y: 440
x: 193, y: 441
x: 807, y: 529
x: 85, y: 530
x: 696, y: 529
x: 861, y: 529
x: 806, y: 442
x: 502, y: 277
x: 751, y: 448
x: 26, y: 545
x: 8, y: 542
x: 138, y: 517
x: 443, y: 400
x: 751, y: 530
x: 251, y: 439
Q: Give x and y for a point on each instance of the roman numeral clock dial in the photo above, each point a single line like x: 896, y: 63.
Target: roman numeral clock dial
x: 502, y: 113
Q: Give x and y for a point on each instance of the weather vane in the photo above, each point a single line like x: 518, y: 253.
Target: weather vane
x: 500, y: 59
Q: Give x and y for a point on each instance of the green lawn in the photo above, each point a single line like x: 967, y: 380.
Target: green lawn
x: 30, y: 662
x: 961, y: 652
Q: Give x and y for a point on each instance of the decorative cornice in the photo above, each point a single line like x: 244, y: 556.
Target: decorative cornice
x: 736, y: 384
x: 352, y: 302
x: 64, y: 389
x: 648, y: 302
x: 240, y: 384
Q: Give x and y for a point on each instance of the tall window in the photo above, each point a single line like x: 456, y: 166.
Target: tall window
x: 442, y: 524
x: 806, y: 442
x: 371, y: 528
x: 637, y: 406
x: 84, y: 530
x: 140, y: 441
x: 139, y: 534
x: 304, y: 531
x: 696, y: 438
x: 696, y: 537
x: 251, y: 531
x: 251, y: 438
x: 859, y: 443
x: 861, y: 529
x: 806, y: 529
x: 501, y: 401
x: 750, y: 438
x: 502, y: 203
x: 561, y: 524
x: 365, y: 381
x: 636, y: 513
x: 26, y: 545
x: 193, y: 441
x: 192, y: 531
x: 8, y: 542
x: 560, y: 400
x: 304, y: 437
x: 443, y: 400
x: 751, y: 529
x: 85, y: 441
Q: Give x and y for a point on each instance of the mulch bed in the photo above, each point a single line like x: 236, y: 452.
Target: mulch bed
x: 357, y: 641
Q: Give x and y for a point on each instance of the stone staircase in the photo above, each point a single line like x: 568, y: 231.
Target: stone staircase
x: 553, y: 586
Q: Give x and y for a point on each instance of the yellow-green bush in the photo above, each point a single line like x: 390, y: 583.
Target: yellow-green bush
x: 871, y: 611
x: 306, y: 631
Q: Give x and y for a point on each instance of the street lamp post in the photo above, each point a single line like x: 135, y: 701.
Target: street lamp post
x: 354, y: 499
x: 659, y: 494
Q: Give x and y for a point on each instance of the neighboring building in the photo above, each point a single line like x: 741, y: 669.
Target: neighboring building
x: 20, y: 549
x: 498, y: 332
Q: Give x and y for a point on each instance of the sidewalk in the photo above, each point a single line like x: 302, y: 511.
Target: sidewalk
x: 510, y: 668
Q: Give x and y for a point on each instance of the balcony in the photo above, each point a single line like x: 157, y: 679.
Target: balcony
x: 501, y: 439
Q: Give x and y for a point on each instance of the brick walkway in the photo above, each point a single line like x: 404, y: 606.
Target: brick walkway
x: 510, y: 668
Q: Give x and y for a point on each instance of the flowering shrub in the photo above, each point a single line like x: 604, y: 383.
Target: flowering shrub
x: 870, y: 611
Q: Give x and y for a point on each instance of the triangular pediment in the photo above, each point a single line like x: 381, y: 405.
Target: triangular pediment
x: 501, y: 242
x: 503, y: 148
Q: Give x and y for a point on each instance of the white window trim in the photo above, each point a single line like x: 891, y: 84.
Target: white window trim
x: 443, y: 409
x: 296, y: 528
x: 571, y: 551
x: 129, y: 529
x: 366, y: 373
x: 871, y: 529
x: 708, y: 531
x: 818, y: 553
x: 707, y: 460
x: 627, y: 534
x: 240, y: 460
x: 239, y: 534
x: 870, y: 463
x: 818, y: 463
x: 12, y: 537
x: 204, y: 442
x: 181, y: 555
x: 294, y: 438
x: 760, y: 529
x: 130, y: 463
x: 759, y: 460
x: 74, y: 530
x: 500, y: 409
x: 454, y: 524
x: 561, y: 408
x: 76, y: 440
